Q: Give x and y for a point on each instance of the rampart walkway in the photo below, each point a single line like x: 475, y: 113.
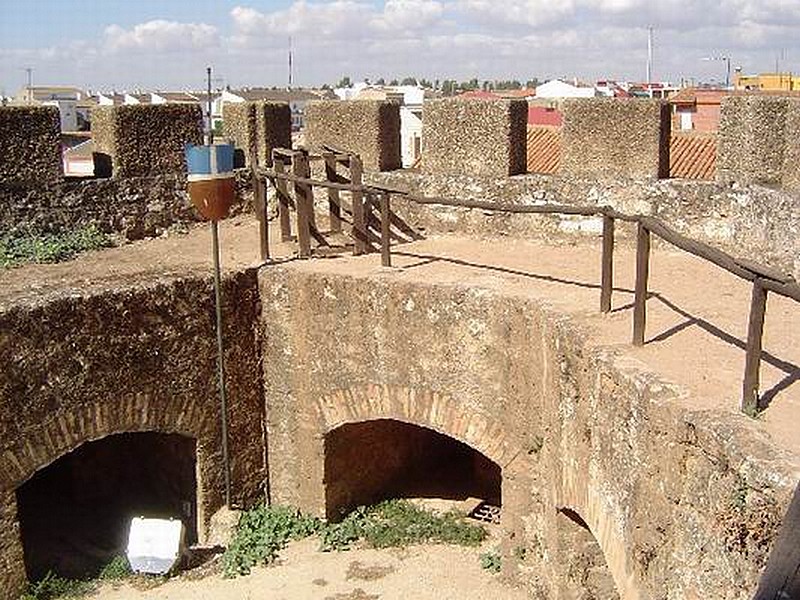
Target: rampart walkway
x: 697, y: 313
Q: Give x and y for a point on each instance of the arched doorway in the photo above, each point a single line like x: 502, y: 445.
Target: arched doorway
x: 586, y: 573
x: 372, y: 460
x: 74, y: 513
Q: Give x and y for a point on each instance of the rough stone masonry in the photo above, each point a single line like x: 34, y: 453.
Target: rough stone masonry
x: 31, y: 148
x: 369, y: 128
x: 145, y: 140
x: 480, y: 137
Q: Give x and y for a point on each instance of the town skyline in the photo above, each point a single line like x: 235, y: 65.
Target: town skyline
x: 154, y: 45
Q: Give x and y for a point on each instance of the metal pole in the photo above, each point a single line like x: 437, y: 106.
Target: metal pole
x: 220, y: 364
x: 210, y: 138
x: 223, y: 400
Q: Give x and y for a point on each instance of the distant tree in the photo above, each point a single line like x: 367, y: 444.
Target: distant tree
x: 473, y: 84
x: 344, y: 82
x: 436, y: 84
x: 425, y: 83
x: 448, y: 87
x: 409, y: 81
x: 393, y: 82
x: 381, y: 81
x: 532, y: 83
x: 325, y: 86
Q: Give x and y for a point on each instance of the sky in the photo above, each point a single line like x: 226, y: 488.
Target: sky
x: 166, y: 44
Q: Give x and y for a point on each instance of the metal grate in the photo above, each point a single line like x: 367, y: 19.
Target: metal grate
x: 486, y: 512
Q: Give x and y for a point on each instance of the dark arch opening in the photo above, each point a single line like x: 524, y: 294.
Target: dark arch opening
x: 370, y: 461
x: 586, y: 572
x: 74, y: 514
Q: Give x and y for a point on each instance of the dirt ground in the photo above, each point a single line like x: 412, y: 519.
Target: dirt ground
x: 421, y: 572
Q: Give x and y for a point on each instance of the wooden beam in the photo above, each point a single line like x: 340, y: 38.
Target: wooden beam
x: 282, y: 192
x: 386, y: 252
x: 752, y: 361
x: 334, y: 202
x: 260, y: 205
x: 607, y: 267
x: 642, y: 273
x: 304, y: 202
x: 359, y: 231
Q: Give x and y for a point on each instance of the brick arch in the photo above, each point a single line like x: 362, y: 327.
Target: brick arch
x: 422, y: 407
x: 43, y: 443
x: 589, y: 506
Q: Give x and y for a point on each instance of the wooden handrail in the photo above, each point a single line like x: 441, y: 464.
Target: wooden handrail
x: 765, y: 279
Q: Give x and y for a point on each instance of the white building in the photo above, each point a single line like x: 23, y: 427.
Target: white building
x: 556, y: 88
x: 296, y: 99
x: 63, y: 97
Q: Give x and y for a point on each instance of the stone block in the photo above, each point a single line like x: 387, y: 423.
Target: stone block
x: 258, y: 127
x: 752, y: 139
x: 145, y: 140
x: 30, y: 142
x: 369, y: 128
x: 613, y: 138
x: 479, y: 137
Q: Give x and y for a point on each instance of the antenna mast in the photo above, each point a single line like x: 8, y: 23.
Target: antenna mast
x: 29, y: 71
x: 291, y: 73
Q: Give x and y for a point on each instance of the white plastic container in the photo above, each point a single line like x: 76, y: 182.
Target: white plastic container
x: 154, y: 545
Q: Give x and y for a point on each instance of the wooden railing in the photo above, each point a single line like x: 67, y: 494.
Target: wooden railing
x: 365, y: 197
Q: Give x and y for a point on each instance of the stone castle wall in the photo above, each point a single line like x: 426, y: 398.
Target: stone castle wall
x: 258, y: 127
x: 481, y: 137
x: 758, y: 141
x: 30, y: 141
x: 145, y: 140
x: 141, y: 358
x: 613, y: 138
x: 572, y: 427
x: 369, y: 128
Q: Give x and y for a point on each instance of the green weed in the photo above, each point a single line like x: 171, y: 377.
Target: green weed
x: 262, y: 532
x: 395, y: 523
x: 491, y: 561
x: 53, y: 586
x: 36, y: 247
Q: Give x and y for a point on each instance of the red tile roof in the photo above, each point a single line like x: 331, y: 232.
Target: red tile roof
x: 479, y: 94
x: 543, y: 115
x: 693, y: 156
x: 544, y: 149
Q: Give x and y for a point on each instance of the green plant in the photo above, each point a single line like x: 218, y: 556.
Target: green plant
x: 53, y: 586
x: 261, y: 533
x: 116, y: 570
x: 400, y: 523
x: 491, y: 561
x: 520, y: 552
x: 32, y: 246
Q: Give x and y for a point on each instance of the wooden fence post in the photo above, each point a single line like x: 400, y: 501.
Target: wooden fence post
x: 282, y: 192
x: 607, y: 275
x: 260, y: 202
x: 642, y: 272
x: 386, y: 252
x: 755, y: 332
x: 334, y: 202
x: 359, y: 231
x: 304, y: 201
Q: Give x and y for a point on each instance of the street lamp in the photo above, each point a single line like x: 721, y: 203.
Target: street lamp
x: 727, y: 60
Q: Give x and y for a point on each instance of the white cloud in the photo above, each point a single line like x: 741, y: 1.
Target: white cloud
x: 160, y: 36
x: 432, y: 39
